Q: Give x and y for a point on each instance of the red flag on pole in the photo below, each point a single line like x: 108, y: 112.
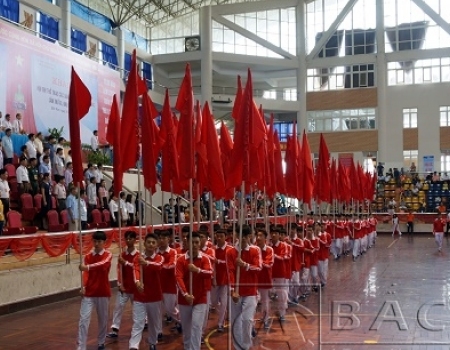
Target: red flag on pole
x: 226, y: 150
x: 113, y: 138
x: 323, y: 173
x: 291, y: 159
x: 185, y: 134
x: 129, y: 125
x: 169, y: 151
x: 237, y: 100
x: 79, y: 104
x: 279, y: 178
x: 333, y: 180
x: 308, y: 172
x: 152, y: 144
x: 215, y: 171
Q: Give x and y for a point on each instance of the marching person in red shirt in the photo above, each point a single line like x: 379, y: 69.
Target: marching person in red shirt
x: 125, y: 281
x: 315, y: 280
x: 244, y: 289
x: 168, y: 281
x: 373, y: 230
x: 192, y: 303
x: 279, y: 271
x: 324, y: 253
x: 308, y: 250
x: 96, y: 290
x: 219, y: 293
x: 148, y: 296
x: 296, y: 263
x: 265, y: 275
x: 438, y: 231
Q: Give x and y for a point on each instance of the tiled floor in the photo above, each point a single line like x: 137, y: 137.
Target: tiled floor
x: 396, y: 296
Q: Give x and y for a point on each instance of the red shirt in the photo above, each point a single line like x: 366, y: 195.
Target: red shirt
x: 96, y: 279
x: 198, y: 279
x: 168, y: 280
x: 438, y: 225
x: 279, y: 267
x: 339, y: 229
x: 125, y: 272
x: 248, y: 276
x: 297, y: 250
x: 151, y: 279
x: 265, y: 275
x: 210, y: 254
x: 325, y: 243
x: 221, y: 265
x: 287, y: 261
x: 315, y: 256
x: 307, y: 255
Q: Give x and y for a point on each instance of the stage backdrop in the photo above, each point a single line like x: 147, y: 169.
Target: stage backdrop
x: 35, y: 79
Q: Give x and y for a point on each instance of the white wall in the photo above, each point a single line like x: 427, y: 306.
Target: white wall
x: 427, y: 98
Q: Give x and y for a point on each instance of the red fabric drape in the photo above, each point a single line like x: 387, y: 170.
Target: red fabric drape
x: 23, y: 248
x: 4, y: 244
x: 86, y: 241
x: 56, y: 245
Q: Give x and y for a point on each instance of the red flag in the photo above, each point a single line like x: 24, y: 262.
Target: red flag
x: 333, y: 180
x: 270, y: 161
x: 279, y: 178
x: 215, y: 171
x: 79, y: 104
x: 169, y: 151
x: 344, y: 188
x: 185, y: 134
x: 354, y: 182
x: 300, y: 170
x: 201, y: 137
x: 152, y: 145
x: 129, y: 125
x: 226, y: 150
x: 237, y: 100
x: 113, y: 138
x: 308, y: 172
x: 291, y: 159
x: 323, y: 173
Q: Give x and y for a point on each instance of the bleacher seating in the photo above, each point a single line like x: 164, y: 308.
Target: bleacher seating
x: 54, y: 225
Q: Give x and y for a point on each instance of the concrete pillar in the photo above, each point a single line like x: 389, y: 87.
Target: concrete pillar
x: 121, y: 50
x: 66, y: 22
x: 381, y: 74
x: 302, y: 119
x: 206, y: 55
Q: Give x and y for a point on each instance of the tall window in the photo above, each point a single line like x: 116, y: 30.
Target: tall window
x: 445, y: 161
x: 410, y: 157
x: 270, y: 94
x: 444, y: 115
x: 410, y: 117
x: 290, y: 94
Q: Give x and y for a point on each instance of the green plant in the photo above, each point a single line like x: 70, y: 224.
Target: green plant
x: 55, y: 132
x: 98, y: 157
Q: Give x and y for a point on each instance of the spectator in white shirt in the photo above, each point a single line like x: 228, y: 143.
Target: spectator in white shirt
x: 68, y: 174
x: 114, y: 210
x: 45, y: 167
x: 59, y: 191
x: 18, y: 125
x: 4, y: 190
x: 59, y: 162
x: 92, y: 196
x: 23, y: 180
x: 7, y: 123
x: 38, y: 138
x: 1, y: 154
x: 69, y: 156
x: 131, y: 210
x: 123, y: 209
x: 31, y: 148
x: 8, y: 147
x: 1, y: 122
x: 98, y: 175
x: 94, y: 141
x: 60, y: 143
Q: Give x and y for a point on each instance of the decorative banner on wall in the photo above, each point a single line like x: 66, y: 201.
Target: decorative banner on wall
x: 35, y: 79
x: 428, y: 164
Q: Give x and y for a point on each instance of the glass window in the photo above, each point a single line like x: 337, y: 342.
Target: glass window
x: 341, y: 120
x: 410, y: 118
x: 409, y: 157
x: 444, y: 116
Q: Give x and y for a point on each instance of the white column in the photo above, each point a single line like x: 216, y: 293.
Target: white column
x: 302, y: 120
x: 381, y: 74
x: 66, y: 22
x: 120, y: 50
x: 206, y: 56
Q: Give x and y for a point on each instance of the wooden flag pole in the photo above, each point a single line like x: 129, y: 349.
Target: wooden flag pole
x: 80, y: 235
x: 191, y: 228
x: 241, y: 224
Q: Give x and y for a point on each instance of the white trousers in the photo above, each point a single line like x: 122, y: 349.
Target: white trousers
x: 192, y: 317
x: 294, y: 284
x: 101, y: 307
x: 396, y: 227
x: 314, y: 274
x: 265, y: 303
x: 153, y: 313
x: 337, y: 247
x: 364, y: 243
x: 323, y: 271
x: 438, y: 236
x: 305, y: 284
x: 169, y: 305
x: 121, y: 300
x: 280, y: 288
x: 356, y: 247
x: 242, y: 314
x: 219, y: 298
x: 205, y: 320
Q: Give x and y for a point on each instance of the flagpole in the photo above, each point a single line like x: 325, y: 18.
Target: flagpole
x: 275, y: 214
x: 241, y: 223
x: 266, y: 216
x: 171, y: 208
x: 211, y: 224
x: 199, y: 213
x: 191, y: 228
x: 80, y: 236
x: 140, y: 221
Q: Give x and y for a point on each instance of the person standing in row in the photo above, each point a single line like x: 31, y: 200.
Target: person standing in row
x: 438, y: 231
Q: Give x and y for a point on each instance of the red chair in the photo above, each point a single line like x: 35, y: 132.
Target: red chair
x: 53, y: 222
x: 11, y: 170
x: 28, y: 210
x: 97, y: 221
x: 13, y: 190
x: 106, y: 217
x: 64, y: 217
x: 37, y: 199
x: 14, y: 226
x: 53, y: 202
